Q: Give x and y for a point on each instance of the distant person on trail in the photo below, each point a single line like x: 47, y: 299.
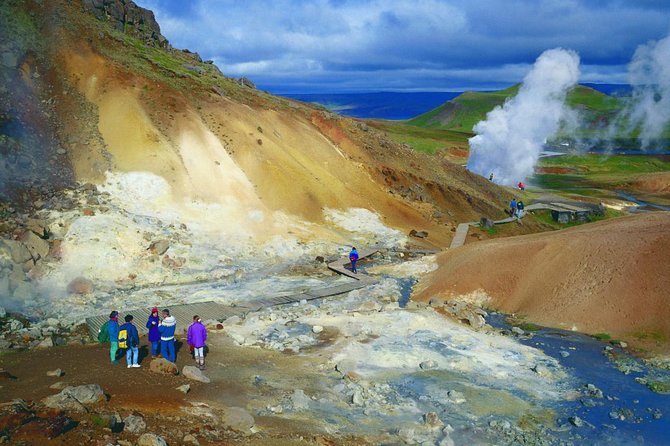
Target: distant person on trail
x: 512, y: 207
x: 166, y: 328
x: 521, y: 186
x: 491, y: 177
x: 520, y: 209
x: 353, y: 258
x: 197, y: 335
x: 131, y: 341
x: 113, y: 331
x: 154, y: 336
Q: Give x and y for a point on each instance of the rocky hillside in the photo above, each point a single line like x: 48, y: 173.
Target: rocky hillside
x: 111, y: 141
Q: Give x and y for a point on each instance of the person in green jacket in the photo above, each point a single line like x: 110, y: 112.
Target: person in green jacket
x: 113, y: 330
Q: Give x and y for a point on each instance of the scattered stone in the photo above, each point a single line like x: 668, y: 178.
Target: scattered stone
x: 57, y: 373
x: 15, y: 325
x: 317, y: 329
x: 134, y: 424
x: 46, y: 342
x: 58, y: 385
x: 300, y: 400
x: 623, y: 344
x: 518, y: 331
x: 564, y: 354
x: 14, y: 414
x: 475, y: 320
x: 428, y: 365
x: 657, y: 414
x: 593, y: 391
x: 237, y: 419
x: 431, y: 419
x: 150, y: 440
x: 576, y: 421
x: 418, y: 234
x: 159, y: 247
x: 357, y: 398
x: 80, y: 285
x: 238, y: 338
x: 456, y: 397
x: 190, y: 439
x: 185, y: 388
x: 194, y: 373
x: 163, y: 366
x: 74, y: 398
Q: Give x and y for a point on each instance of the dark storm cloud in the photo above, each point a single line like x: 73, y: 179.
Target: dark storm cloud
x: 341, y: 45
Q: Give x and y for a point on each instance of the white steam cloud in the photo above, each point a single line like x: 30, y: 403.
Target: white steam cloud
x: 508, y: 143
x: 649, y: 75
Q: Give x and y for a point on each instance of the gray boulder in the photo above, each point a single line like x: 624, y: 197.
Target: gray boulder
x: 134, y: 424
x: 151, y: 440
x: 195, y: 374
x: 159, y: 247
x: 237, y: 419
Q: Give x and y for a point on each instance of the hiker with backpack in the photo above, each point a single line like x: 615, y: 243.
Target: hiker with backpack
x: 113, y: 335
x: 154, y: 336
x: 512, y: 207
x: 196, y: 337
x: 166, y: 328
x: 519, y: 209
x: 353, y: 258
x: 129, y: 339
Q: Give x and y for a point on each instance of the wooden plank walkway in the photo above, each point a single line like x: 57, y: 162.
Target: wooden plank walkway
x: 213, y: 310
x: 339, y: 265
x: 460, y: 235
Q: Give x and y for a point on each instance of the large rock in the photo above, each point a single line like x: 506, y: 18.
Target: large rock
x: 80, y: 285
x: 237, y: 419
x: 74, y: 398
x: 151, y: 440
x: 18, y: 251
x: 37, y: 247
x: 134, y: 424
x: 195, y: 374
x: 163, y: 366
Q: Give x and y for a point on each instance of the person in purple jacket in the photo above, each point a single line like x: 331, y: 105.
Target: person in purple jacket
x: 154, y: 334
x: 196, y: 337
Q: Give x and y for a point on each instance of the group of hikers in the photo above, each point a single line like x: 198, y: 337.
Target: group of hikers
x: 516, y: 208
x: 161, y: 334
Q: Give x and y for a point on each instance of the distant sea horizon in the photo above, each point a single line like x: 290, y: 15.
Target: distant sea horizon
x: 404, y: 105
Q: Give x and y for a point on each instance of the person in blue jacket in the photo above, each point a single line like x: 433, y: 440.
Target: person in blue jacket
x: 167, y: 328
x: 353, y: 258
x: 154, y: 336
x: 113, y: 330
x: 133, y: 350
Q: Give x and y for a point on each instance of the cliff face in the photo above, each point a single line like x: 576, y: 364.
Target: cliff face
x: 125, y: 16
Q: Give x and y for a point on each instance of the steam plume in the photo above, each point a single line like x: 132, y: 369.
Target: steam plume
x: 508, y: 143
x: 649, y: 74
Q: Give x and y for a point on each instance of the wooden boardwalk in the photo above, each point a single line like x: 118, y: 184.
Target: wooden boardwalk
x: 216, y: 311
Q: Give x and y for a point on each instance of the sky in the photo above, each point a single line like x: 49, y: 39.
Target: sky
x: 346, y: 46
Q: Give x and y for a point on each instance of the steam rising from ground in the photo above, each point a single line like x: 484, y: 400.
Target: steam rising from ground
x: 508, y: 143
x: 649, y: 75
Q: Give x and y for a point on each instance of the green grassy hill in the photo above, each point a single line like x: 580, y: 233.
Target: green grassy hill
x: 463, y: 112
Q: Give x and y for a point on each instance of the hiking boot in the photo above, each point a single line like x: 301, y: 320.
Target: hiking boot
x: 115, y: 362
x: 129, y: 365
x: 135, y: 365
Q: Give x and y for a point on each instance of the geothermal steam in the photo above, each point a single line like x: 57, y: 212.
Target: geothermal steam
x: 649, y: 75
x: 508, y: 143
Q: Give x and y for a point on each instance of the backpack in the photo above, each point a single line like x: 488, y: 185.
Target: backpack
x: 103, y: 333
x: 123, y: 338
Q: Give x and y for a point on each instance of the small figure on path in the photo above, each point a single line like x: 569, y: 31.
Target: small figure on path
x: 520, y: 209
x: 166, y: 328
x: 491, y: 177
x: 196, y: 337
x: 521, y: 185
x: 512, y: 207
x: 154, y: 336
x: 113, y: 331
x: 353, y: 258
x: 132, y: 342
